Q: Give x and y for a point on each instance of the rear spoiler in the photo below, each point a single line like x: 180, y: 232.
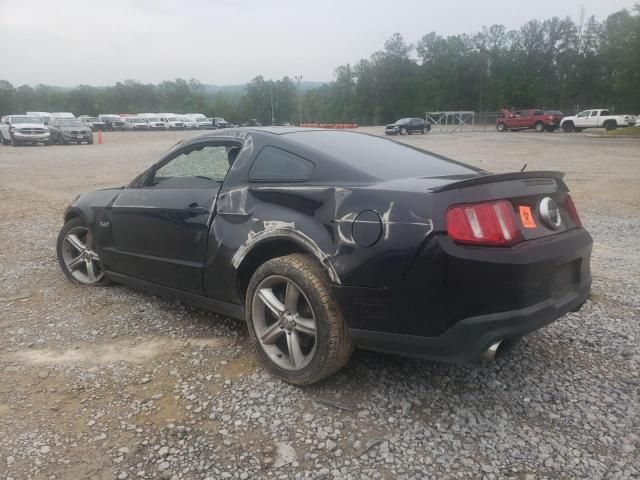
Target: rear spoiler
x: 499, y: 177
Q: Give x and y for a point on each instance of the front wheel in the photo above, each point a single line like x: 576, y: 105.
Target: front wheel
x: 568, y: 127
x: 77, y: 256
x: 294, y: 321
x: 501, y: 127
x: 403, y: 131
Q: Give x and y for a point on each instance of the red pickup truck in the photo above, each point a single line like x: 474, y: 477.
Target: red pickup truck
x: 539, y: 120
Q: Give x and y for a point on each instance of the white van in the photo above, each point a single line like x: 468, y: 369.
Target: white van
x: 44, y: 116
x: 153, y: 120
x: 171, y: 121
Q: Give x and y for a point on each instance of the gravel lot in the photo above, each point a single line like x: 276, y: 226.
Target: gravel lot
x: 114, y: 383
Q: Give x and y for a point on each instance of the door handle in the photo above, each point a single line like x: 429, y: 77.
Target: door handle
x: 194, y: 209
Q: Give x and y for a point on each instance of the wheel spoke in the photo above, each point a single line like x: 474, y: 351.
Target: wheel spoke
x: 306, y: 326
x: 291, y: 297
x: 271, y: 334
x: 75, y: 263
x: 296, y: 357
x: 271, y: 301
x: 91, y: 273
x: 76, y: 242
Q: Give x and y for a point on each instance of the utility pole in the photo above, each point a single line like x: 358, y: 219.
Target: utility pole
x: 298, y: 78
x: 273, y: 121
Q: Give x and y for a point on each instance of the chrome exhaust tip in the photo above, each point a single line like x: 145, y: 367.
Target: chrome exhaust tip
x: 492, y: 352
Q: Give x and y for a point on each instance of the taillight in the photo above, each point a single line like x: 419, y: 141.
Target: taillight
x: 571, y: 210
x: 491, y: 223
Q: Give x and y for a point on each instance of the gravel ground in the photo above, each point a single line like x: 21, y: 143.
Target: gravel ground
x: 114, y: 383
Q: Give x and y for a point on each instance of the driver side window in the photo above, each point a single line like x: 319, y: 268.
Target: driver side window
x: 201, y: 166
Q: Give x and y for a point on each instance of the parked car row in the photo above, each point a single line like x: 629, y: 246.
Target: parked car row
x: 31, y: 130
x: 549, y: 120
x: 141, y: 121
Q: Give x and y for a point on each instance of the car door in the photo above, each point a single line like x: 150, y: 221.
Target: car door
x: 160, y: 225
x: 582, y: 120
x: 594, y: 118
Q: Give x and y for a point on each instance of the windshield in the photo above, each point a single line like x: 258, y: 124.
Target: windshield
x: 220, y: 119
x: 110, y: 117
x: 93, y: 119
x: 172, y: 119
x: 204, y: 120
x: 153, y: 119
x: 25, y: 120
x: 403, y: 120
x: 70, y: 123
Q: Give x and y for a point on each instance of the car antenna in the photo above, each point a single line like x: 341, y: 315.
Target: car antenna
x: 523, y: 167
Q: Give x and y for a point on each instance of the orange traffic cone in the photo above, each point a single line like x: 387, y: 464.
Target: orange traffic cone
x: 100, y: 137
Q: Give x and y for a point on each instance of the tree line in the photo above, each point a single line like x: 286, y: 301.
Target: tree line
x: 554, y: 64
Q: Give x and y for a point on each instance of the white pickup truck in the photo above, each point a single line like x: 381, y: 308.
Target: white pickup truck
x: 597, y: 118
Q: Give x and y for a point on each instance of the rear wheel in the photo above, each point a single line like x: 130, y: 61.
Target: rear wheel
x: 610, y: 125
x: 76, y: 254
x: 539, y: 127
x: 294, y: 321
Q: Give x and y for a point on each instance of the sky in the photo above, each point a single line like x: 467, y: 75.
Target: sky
x: 225, y: 42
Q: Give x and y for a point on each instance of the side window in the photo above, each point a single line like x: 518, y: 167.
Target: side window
x: 538, y: 112
x: 274, y: 164
x: 604, y: 112
x: 584, y: 114
x: 524, y: 113
x: 594, y: 113
x: 201, y: 166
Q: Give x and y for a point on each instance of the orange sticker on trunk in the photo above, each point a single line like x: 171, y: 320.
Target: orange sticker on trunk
x: 527, y: 217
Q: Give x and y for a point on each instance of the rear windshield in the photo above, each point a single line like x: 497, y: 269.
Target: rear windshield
x: 69, y: 122
x: 378, y: 157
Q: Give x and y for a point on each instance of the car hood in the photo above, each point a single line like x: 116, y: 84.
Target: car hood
x: 28, y: 125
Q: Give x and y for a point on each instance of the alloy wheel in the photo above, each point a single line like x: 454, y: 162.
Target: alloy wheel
x: 284, y: 323
x: 79, y: 257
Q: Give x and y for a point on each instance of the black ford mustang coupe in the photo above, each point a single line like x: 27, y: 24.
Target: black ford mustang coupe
x: 327, y: 240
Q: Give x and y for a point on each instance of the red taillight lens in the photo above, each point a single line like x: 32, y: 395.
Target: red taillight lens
x: 571, y: 210
x: 491, y: 223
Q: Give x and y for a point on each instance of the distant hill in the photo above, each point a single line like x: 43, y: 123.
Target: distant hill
x: 239, y: 89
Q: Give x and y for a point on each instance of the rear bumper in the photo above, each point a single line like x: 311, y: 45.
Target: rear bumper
x: 468, y: 339
x: 455, y: 301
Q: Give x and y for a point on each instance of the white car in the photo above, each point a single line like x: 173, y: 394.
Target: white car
x: 22, y: 129
x: 596, y: 118
x: 135, y: 124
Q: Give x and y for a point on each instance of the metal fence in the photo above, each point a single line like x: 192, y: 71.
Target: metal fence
x: 459, y: 121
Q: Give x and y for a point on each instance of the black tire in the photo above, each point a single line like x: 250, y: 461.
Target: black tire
x: 402, y: 131
x: 568, y: 127
x: 47, y: 142
x: 423, y: 131
x: 501, y: 127
x: 75, y: 223
x: 4, y: 140
x: 333, y: 346
x: 539, y: 127
x: 610, y: 125
x: 63, y: 141
x: 15, y: 142
x: 90, y: 142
